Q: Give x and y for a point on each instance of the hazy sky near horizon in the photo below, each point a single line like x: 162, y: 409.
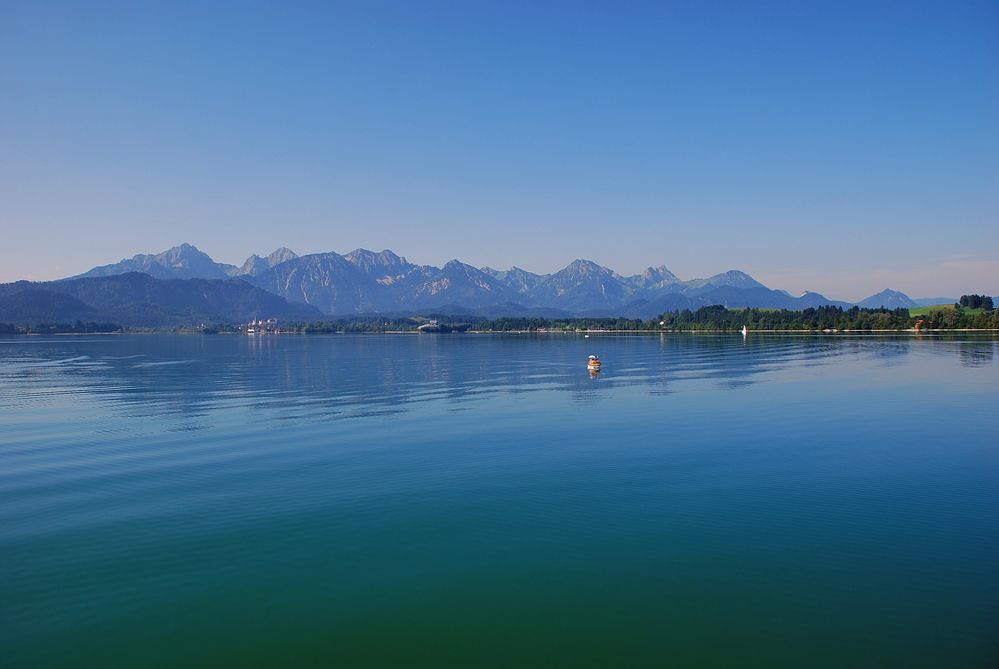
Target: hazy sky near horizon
x: 833, y: 146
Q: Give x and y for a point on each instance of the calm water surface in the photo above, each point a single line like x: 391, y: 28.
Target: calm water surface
x: 481, y: 501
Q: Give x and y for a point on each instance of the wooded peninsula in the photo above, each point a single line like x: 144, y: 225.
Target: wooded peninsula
x: 706, y: 319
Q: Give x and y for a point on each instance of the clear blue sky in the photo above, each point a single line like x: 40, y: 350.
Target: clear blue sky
x: 841, y: 147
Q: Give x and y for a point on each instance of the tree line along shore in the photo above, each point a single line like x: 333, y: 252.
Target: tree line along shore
x: 706, y: 319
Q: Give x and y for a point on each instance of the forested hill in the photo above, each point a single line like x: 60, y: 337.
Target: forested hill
x: 139, y: 300
x: 708, y: 319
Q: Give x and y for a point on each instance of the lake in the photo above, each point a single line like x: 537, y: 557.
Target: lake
x: 483, y: 501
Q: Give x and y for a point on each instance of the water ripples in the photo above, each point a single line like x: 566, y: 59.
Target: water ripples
x: 694, y: 472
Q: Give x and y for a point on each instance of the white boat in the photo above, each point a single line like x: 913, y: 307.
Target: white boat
x: 593, y: 363
x: 745, y: 331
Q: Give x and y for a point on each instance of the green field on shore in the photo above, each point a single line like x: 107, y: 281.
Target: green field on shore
x: 925, y: 311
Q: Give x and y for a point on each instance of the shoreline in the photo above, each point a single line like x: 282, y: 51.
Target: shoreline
x: 587, y: 333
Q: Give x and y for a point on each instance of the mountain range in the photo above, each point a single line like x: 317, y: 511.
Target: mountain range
x: 184, y: 285
x: 187, y: 262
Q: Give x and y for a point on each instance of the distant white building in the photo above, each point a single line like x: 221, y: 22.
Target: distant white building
x: 255, y: 326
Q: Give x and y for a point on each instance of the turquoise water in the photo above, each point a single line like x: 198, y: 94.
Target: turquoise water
x: 481, y: 501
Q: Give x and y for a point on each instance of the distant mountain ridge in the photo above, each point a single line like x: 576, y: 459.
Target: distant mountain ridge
x: 930, y: 301
x: 186, y: 261
x: 370, y: 282
x: 889, y: 299
x: 141, y: 300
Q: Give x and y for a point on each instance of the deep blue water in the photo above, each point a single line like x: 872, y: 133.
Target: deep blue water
x: 480, y: 500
